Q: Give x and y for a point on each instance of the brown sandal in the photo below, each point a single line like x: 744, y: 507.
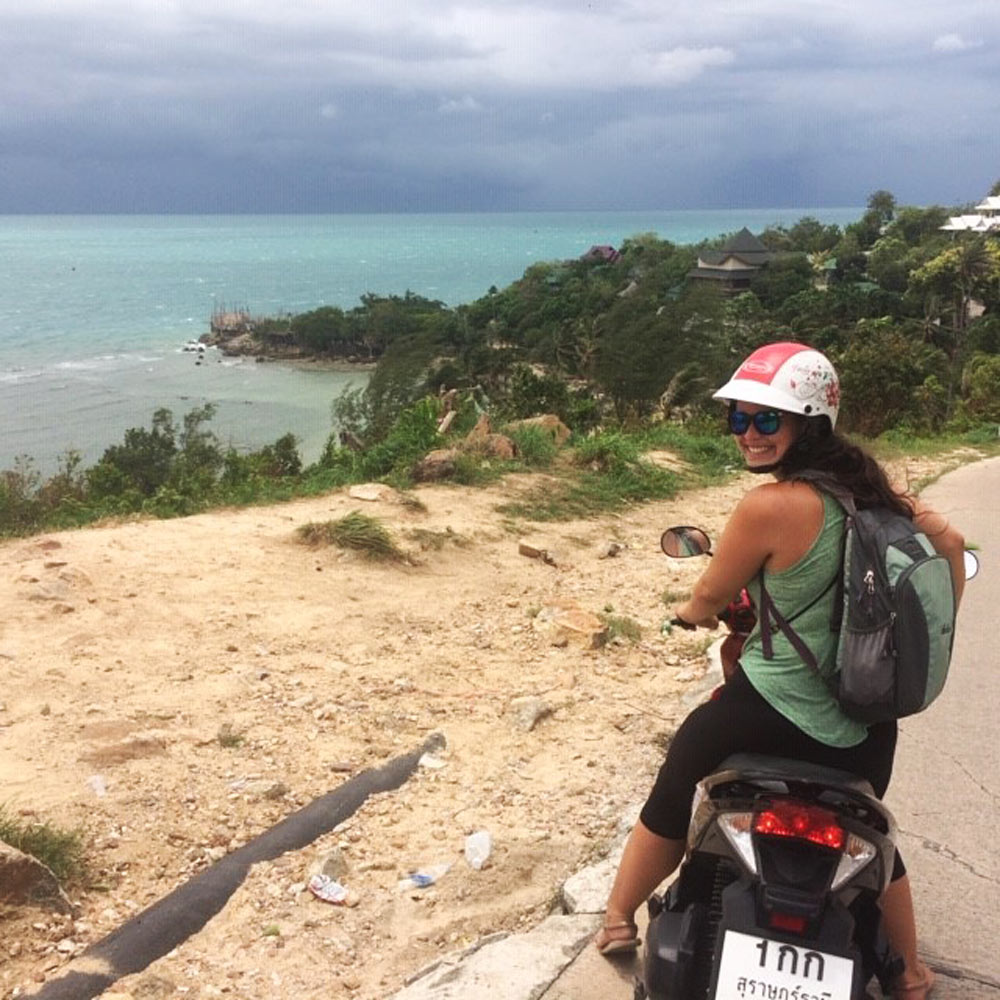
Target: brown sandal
x: 916, y: 991
x: 607, y: 943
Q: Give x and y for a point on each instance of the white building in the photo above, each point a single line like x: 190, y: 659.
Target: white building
x: 987, y: 220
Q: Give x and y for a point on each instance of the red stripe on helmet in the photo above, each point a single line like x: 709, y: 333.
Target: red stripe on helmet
x: 764, y: 363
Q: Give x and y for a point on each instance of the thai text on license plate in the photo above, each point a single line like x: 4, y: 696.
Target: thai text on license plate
x: 755, y: 967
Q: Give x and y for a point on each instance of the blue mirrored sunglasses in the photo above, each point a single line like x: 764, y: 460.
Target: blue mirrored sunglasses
x: 765, y: 421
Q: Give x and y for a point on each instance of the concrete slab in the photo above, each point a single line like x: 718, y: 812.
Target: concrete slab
x: 591, y: 976
x: 511, y: 967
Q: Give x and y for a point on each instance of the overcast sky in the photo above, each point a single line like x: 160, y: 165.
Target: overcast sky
x: 430, y: 105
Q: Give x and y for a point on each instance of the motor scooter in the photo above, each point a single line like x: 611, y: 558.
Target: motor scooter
x: 777, y: 895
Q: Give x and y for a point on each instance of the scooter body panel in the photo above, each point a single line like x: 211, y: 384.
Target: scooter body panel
x: 733, y: 926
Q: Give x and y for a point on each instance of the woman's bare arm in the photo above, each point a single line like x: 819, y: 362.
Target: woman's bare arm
x: 771, y: 521
x: 946, y: 539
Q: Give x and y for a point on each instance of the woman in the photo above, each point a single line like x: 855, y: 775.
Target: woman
x: 783, y: 403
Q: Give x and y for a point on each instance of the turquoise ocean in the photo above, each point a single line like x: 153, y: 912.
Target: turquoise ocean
x: 95, y: 310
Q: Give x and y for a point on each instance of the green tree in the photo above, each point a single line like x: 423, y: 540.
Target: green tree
x: 383, y: 319
x: 809, y: 235
x: 746, y: 325
x: 850, y: 257
x: 20, y: 511
x: 323, y: 331
x: 141, y: 464
x: 881, y: 209
x: 930, y: 409
x: 782, y: 278
x: 882, y: 205
x: 917, y: 225
x: 888, y: 263
x: 981, y: 388
x: 199, y: 457
x: 880, y: 373
x: 531, y: 394
x: 632, y: 363
x: 983, y: 335
x: 967, y: 270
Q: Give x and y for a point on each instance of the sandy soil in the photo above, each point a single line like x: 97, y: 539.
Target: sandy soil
x: 127, y: 651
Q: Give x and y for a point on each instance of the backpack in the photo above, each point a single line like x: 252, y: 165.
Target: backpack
x: 895, y: 612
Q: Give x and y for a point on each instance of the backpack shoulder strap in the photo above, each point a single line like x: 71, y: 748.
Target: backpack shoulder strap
x: 769, y: 610
x: 828, y: 484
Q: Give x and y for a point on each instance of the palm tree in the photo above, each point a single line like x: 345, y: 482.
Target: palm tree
x: 955, y: 277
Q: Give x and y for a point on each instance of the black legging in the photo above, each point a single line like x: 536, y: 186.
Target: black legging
x: 739, y: 720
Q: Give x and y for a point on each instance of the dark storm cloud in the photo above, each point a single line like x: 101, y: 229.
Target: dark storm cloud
x: 320, y: 106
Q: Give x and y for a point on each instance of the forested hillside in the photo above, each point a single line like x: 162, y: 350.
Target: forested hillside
x: 624, y: 345
x: 909, y: 314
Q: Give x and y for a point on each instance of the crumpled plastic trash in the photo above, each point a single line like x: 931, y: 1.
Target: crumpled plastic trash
x: 328, y: 889
x: 478, y: 846
x: 424, y: 877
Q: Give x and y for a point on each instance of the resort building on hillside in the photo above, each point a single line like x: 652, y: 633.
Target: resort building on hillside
x: 602, y: 252
x: 986, y: 219
x: 734, y: 264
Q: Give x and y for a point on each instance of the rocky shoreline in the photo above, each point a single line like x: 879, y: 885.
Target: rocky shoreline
x: 247, y: 344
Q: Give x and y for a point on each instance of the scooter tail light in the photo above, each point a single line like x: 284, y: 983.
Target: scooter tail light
x: 800, y: 821
x: 856, y: 854
x: 738, y: 830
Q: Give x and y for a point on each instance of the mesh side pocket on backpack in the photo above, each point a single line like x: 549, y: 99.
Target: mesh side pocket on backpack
x: 866, y: 676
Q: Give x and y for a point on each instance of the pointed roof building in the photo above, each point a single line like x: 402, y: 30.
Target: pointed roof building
x: 735, y: 263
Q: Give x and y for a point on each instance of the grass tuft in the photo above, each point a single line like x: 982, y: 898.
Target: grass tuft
x: 427, y: 538
x: 358, y: 532
x: 228, y: 737
x: 536, y: 448
x: 410, y: 501
x: 622, y: 626
x: 61, y: 849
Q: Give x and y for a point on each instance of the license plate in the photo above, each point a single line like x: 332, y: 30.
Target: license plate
x: 759, y: 967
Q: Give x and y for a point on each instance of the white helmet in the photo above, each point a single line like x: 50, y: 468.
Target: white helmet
x: 789, y: 377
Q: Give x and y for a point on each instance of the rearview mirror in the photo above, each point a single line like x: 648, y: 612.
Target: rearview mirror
x: 971, y: 564
x: 684, y: 541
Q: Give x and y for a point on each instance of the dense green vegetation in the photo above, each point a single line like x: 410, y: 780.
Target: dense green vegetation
x: 591, y: 339
x: 625, y: 351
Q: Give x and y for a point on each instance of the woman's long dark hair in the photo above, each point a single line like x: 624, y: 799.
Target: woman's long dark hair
x: 821, y: 449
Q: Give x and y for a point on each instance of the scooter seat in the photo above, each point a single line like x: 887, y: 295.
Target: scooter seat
x: 755, y: 766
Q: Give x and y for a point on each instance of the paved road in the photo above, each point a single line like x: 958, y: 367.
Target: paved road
x: 945, y: 792
x: 945, y: 789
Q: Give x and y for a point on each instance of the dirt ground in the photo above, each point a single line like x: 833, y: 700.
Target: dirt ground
x: 175, y: 688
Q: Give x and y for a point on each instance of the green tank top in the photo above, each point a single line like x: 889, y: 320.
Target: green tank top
x: 785, y: 682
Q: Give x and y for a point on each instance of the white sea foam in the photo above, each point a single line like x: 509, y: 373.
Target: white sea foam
x: 15, y: 375
x: 105, y: 363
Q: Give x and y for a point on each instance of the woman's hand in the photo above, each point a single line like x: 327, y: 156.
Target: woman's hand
x: 683, y: 612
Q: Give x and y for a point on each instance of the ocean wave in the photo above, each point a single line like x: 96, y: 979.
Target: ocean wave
x: 105, y: 362
x: 11, y: 376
